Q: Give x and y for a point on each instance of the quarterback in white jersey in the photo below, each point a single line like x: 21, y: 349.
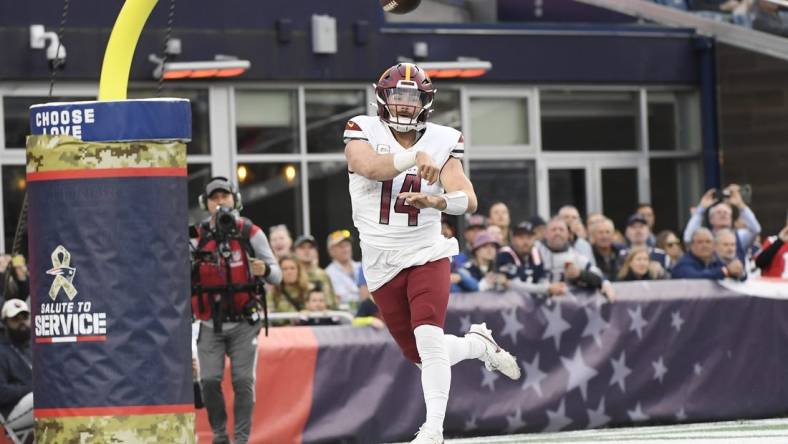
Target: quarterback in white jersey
x: 403, y: 172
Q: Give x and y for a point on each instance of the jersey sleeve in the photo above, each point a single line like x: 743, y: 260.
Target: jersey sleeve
x: 458, y: 151
x: 353, y: 131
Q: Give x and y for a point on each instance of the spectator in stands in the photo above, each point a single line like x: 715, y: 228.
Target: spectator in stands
x: 773, y: 257
x: 306, y: 253
x: 316, y: 311
x: 482, y: 267
x: 725, y: 245
x: 593, y: 219
x: 717, y: 214
x: 498, y: 216
x: 281, y: 242
x: 563, y: 263
x: 291, y: 294
x: 539, y: 225
x: 496, y: 233
x: 577, y: 231
x: 368, y: 312
x: 474, y: 224
x: 700, y: 262
x: 668, y: 242
x: 645, y: 210
x: 521, y: 264
x: 766, y: 17
x: 343, y: 270
x: 608, y: 254
x: 15, y: 279
x: 448, y: 228
x: 637, y: 266
x: 16, y: 366
x: 637, y: 235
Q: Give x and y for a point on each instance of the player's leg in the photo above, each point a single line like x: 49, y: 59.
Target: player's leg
x: 392, y: 301
x: 428, y: 294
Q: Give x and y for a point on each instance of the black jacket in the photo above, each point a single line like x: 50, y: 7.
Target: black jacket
x: 16, y: 375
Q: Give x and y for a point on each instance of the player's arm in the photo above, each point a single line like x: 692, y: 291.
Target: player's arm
x: 459, y: 197
x: 363, y: 160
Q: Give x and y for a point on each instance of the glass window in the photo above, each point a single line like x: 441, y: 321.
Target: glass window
x: 201, y: 125
x: 329, y: 204
x: 583, y: 121
x: 266, y: 121
x: 16, y: 116
x: 14, y: 185
x: 567, y: 187
x: 271, y: 194
x: 619, y: 194
x: 510, y: 181
x: 327, y: 112
x: 675, y: 187
x: 674, y: 122
x: 198, y: 177
x: 499, y: 121
x: 447, y: 109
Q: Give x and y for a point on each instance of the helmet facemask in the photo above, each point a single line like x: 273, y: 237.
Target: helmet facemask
x: 405, y: 107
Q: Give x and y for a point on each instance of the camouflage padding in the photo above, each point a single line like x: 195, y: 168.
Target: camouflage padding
x: 59, y: 153
x: 132, y: 429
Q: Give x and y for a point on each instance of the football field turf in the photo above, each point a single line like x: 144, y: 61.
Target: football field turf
x: 772, y: 431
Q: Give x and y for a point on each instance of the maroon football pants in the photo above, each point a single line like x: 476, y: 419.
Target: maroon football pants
x: 416, y: 296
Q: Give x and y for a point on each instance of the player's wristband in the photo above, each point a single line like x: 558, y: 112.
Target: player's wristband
x: 456, y: 202
x: 405, y: 160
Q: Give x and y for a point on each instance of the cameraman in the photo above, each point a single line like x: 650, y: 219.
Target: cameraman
x: 230, y: 257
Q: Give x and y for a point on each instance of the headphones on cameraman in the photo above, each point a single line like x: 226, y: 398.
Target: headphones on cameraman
x: 226, y: 184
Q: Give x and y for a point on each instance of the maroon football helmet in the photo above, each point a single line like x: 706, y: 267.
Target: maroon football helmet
x: 404, y: 97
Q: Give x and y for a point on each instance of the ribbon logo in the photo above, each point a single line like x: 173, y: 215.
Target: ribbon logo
x: 64, y: 274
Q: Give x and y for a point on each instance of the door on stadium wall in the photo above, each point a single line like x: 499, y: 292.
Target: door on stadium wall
x: 610, y: 184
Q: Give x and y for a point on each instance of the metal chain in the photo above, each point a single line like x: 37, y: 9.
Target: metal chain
x: 167, y: 35
x: 56, y: 62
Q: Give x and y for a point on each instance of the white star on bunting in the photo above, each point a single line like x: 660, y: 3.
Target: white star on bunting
x: 637, y: 321
x: 579, y: 373
x: 556, y: 325
x: 597, y: 418
x: 489, y: 378
x: 659, y: 369
x: 512, y: 326
x: 637, y: 415
x: 515, y: 422
x: 596, y: 325
x: 557, y: 419
x: 676, y: 321
x: 620, y: 372
x: 533, y: 376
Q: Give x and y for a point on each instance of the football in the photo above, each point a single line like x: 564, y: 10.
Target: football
x: 399, y: 6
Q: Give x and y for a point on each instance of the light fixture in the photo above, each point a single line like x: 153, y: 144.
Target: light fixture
x: 456, y: 69
x: 242, y: 173
x: 221, y: 66
x: 290, y: 173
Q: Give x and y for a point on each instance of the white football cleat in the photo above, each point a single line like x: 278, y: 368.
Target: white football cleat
x: 494, y: 357
x: 427, y: 436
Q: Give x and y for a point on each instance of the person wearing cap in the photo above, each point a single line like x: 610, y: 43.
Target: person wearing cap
x: 562, y: 263
x: 305, y: 248
x: 230, y: 321
x: 481, y: 268
x: 16, y: 366
x: 343, y: 270
x: 647, y: 211
x: 637, y: 234
x: 474, y: 224
x: 522, y: 265
x: 539, y: 225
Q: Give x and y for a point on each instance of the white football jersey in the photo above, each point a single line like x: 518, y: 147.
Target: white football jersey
x: 393, y: 234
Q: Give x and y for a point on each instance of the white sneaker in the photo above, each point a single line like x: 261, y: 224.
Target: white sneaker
x: 427, y: 436
x: 494, y: 357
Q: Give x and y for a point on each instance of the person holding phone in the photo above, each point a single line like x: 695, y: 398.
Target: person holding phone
x: 720, y: 209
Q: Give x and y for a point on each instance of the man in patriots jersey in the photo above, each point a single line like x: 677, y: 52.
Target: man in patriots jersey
x: 403, y: 172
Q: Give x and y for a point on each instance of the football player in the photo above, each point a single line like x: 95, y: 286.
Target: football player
x: 404, y: 171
